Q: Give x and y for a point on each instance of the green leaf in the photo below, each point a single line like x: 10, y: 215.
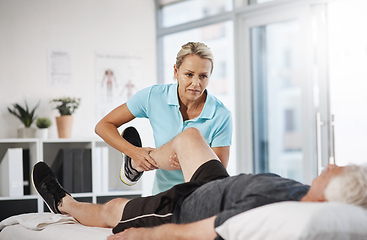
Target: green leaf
x: 25, y: 116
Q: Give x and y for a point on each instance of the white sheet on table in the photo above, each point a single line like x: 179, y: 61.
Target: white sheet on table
x: 40, y: 226
x: 37, y: 221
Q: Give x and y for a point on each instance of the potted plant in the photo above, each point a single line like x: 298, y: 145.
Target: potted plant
x: 27, y: 117
x: 43, y: 124
x: 66, y: 107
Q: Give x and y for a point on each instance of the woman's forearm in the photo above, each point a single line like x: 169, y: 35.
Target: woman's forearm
x: 201, y: 230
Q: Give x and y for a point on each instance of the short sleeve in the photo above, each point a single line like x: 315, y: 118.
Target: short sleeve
x: 223, y: 137
x: 138, y: 103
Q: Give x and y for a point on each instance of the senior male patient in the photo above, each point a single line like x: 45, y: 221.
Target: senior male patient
x: 206, y: 199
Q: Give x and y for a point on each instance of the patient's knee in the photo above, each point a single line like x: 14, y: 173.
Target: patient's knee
x: 189, y: 135
x: 113, y: 210
x: 191, y: 132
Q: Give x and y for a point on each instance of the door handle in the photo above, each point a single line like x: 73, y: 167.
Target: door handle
x: 332, y: 140
x: 319, y: 123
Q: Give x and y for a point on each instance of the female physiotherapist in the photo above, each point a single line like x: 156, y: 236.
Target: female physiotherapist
x: 172, y: 108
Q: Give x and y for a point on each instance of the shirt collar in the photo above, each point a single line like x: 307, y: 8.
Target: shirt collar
x: 172, y: 95
x: 209, y: 106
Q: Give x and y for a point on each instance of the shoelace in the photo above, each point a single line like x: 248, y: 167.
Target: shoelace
x: 52, y: 187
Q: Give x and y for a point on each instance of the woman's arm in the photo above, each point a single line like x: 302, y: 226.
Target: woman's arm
x: 106, y: 128
x: 201, y: 230
x: 223, y: 154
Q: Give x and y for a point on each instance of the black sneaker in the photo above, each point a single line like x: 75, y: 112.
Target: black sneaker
x: 128, y: 174
x: 46, y: 185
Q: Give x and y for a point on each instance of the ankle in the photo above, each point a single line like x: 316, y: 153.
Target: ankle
x: 64, y: 203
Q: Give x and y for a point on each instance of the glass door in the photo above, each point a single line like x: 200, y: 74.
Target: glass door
x: 277, y: 99
x: 287, y: 85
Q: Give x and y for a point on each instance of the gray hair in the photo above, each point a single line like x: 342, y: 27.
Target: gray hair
x: 349, y: 187
x: 194, y: 48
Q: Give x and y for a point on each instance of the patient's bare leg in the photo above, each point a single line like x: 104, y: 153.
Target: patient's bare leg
x: 95, y: 215
x: 191, y: 150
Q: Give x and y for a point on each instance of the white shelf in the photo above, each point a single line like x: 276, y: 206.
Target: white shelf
x: 19, y: 140
x: 120, y: 193
x: 68, y: 140
x: 19, y: 197
x: 46, y: 150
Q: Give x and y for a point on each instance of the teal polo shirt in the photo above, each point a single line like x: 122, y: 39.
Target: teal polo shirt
x: 159, y: 103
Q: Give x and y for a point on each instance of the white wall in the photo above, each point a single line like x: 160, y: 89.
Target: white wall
x: 28, y: 28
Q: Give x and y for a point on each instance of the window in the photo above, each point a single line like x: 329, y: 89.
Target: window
x: 217, y: 34
x: 276, y: 99
x: 348, y: 74
x: 181, y: 12
x: 259, y: 1
x: 278, y: 57
x: 217, y: 37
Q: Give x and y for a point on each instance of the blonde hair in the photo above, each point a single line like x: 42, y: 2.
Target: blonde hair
x: 349, y: 187
x: 194, y: 48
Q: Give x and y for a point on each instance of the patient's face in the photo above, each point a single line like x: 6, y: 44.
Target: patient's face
x: 320, y: 183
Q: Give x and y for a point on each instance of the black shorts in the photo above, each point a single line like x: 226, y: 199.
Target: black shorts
x: 158, y: 209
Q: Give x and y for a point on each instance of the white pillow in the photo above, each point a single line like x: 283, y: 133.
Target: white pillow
x: 297, y: 221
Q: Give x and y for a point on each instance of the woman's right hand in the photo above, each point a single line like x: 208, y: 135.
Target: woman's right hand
x: 142, y: 161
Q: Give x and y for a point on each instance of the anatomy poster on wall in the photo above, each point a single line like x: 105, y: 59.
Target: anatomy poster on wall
x: 117, y: 77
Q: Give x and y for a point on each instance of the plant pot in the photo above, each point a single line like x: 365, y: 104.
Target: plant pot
x: 42, y: 133
x: 64, y: 126
x: 26, y: 132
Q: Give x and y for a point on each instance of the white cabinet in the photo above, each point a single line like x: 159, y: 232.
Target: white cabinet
x: 105, y: 169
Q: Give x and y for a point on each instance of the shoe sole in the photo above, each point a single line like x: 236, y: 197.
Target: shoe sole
x: 133, y: 133
x: 34, y: 187
x: 122, y: 176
